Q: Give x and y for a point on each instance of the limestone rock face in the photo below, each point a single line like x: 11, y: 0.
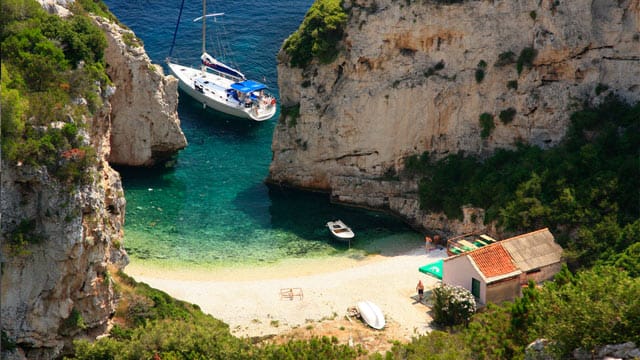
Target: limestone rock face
x: 58, y: 7
x: 407, y: 80
x: 57, y: 285
x: 145, y: 124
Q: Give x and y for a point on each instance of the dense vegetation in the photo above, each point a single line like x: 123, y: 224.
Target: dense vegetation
x: 318, y: 36
x: 585, y: 190
x: 591, y: 309
x: 52, y: 74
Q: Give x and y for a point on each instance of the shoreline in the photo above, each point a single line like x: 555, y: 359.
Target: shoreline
x: 248, y: 299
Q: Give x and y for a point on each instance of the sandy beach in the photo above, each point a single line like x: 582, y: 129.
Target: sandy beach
x: 249, y: 299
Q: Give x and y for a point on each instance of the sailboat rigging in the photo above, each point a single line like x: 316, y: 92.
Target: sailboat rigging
x: 219, y: 86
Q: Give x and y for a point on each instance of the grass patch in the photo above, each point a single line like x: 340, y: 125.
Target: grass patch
x: 131, y: 40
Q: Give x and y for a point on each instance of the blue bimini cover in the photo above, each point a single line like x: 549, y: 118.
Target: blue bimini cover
x: 248, y: 86
x: 433, y: 269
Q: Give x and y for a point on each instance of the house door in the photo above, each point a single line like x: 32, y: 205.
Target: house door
x: 475, y: 288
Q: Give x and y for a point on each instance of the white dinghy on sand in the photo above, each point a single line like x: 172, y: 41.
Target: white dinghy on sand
x: 371, y: 314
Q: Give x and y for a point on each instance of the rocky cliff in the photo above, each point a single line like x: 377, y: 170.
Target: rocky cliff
x: 145, y: 124
x: 61, y: 241
x: 415, y: 76
x: 55, y: 277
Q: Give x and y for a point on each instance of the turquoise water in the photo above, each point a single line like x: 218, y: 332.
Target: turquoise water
x: 213, y: 208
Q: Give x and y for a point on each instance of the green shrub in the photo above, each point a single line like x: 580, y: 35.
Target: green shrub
x: 505, y: 58
x: 435, y: 345
x: 72, y: 324
x: 598, y: 307
x: 445, y: 183
x: 486, y: 124
x: 96, y: 7
x: 42, y: 54
x: 290, y: 112
x: 526, y: 58
x: 507, y: 115
x: 452, y: 305
x: 7, y: 343
x: 482, y: 65
x: 417, y: 164
x: 22, y: 237
x: 600, y: 88
x: 512, y: 84
x: 533, y: 15
x: 319, y: 34
x: 479, y: 75
x: 131, y: 40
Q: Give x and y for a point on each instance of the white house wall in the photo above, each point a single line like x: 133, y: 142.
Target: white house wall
x: 458, y: 271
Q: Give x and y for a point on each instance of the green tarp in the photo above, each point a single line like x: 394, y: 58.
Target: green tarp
x: 433, y: 269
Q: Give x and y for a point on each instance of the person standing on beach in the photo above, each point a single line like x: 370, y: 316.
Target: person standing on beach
x: 420, y: 289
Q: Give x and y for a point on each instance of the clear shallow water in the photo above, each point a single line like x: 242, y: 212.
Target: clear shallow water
x: 213, y: 208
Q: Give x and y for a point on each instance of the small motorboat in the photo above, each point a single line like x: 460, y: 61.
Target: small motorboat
x: 340, y: 231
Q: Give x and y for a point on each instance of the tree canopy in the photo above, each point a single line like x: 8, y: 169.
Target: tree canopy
x: 318, y: 35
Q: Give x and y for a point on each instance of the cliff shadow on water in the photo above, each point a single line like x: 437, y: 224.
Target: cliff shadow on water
x: 305, y: 214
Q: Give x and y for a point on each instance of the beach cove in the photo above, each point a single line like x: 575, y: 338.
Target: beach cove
x: 249, y: 298
x: 210, y: 232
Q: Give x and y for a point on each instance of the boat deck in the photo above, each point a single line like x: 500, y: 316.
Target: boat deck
x: 216, y: 92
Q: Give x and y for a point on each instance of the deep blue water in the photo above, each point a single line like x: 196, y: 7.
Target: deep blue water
x: 213, y: 208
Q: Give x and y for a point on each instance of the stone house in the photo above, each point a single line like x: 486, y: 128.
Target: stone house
x: 497, y: 272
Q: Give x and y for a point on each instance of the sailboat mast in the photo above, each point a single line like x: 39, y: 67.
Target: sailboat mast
x: 204, y: 24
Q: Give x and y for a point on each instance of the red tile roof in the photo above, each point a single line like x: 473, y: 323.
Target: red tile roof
x: 493, y: 260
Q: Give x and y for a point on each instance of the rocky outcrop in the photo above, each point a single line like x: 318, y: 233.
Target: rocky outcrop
x: 145, y: 124
x: 415, y: 76
x: 61, y: 241
x: 59, y: 244
x: 57, y: 7
x: 542, y: 349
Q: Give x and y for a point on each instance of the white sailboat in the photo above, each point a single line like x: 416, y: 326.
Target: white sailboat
x: 221, y: 87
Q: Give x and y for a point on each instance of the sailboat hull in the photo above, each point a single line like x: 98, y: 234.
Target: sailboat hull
x: 213, y: 93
